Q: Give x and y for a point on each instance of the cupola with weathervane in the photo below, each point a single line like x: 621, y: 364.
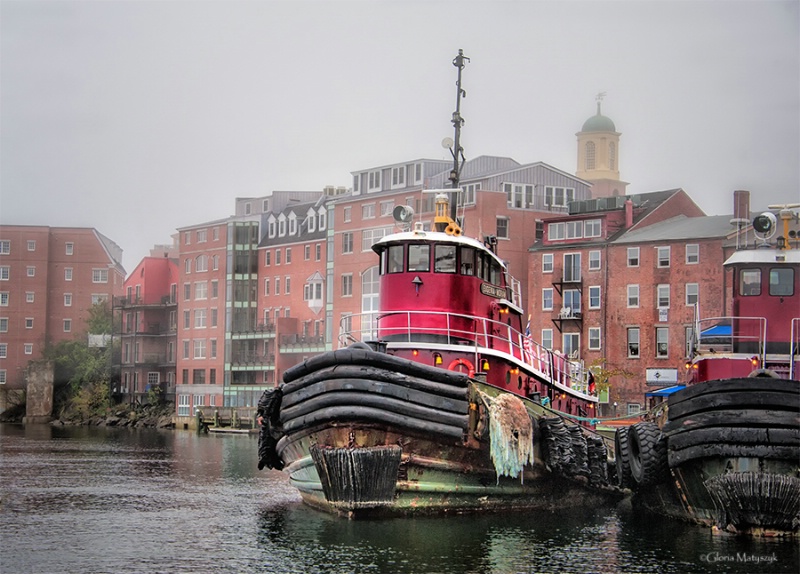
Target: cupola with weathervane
x: 598, y: 154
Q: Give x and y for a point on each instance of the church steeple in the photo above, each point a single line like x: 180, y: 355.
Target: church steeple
x: 598, y: 154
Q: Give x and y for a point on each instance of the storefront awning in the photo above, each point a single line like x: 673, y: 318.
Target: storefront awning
x: 716, y: 331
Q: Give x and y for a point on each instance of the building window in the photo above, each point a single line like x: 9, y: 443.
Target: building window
x: 633, y: 257
x: 663, y: 256
x: 368, y: 211
x: 558, y: 196
x: 201, y: 263
x: 213, y: 349
x: 662, y: 295
x: 574, y: 229
x: 187, y: 291
x: 29, y: 296
x: 572, y: 301
x: 633, y: 342
x: 594, y: 297
x: 347, y: 285
x: 277, y: 257
x: 69, y: 248
x: 547, y: 299
x: 592, y: 228
x: 199, y: 348
x: 502, y: 228
x: 3, y: 324
x: 572, y: 267
x: 307, y: 253
x: 214, y: 315
x: 2, y: 376
x: 288, y: 286
x: 398, y: 176
x: 201, y: 290
x: 594, y: 260
x: 594, y: 338
x: 28, y: 348
x: 266, y: 287
x: 373, y: 181
x: 98, y: 298
x: 29, y: 322
x: 99, y: 275
x: 4, y: 299
x: 555, y: 231
x: 347, y: 216
x: 571, y: 344
x: 347, y: 242
x: 692, y: 253
x: 547, y: 338
x: 318, y: 251
x: 547, y: 263
x: 633, y: 295
x: 267, y: 258
x: 692, y: 293
x: 214, y: 289
x: 30, y: 271
x: 67, y: 299
x: 5, y: 272
x: 67, y: 325
x: 277, y: 285
x: 662, y: 342
x: 200, y: 318
x: 187, y: 318
x: 31, y: 245
x: 386, y: 207
x: 5, y: 247
x: 202, y: 235
x: 3, y: 350
x: 68, y: 274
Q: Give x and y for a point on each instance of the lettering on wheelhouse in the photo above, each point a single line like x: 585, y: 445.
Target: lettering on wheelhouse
x: 493, y: 291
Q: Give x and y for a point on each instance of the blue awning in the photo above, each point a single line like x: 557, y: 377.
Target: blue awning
x: 716, y: 331
x: 665, y: 391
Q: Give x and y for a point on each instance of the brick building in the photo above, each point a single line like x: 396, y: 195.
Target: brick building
x: 618, y: 279
x: 148, y: 329
x: 49, y: 279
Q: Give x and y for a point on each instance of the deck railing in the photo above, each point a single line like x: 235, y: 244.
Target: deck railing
x: 470, y: 331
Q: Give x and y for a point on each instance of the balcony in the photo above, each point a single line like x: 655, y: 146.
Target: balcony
x: 149, y: 359
x: 295, y: 343
x: 569, y: 315
x: 138, y: 303
x: 252, y: 362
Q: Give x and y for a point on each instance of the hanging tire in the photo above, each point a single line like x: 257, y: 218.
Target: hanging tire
x: 622, y: 458
x: 647, y: 451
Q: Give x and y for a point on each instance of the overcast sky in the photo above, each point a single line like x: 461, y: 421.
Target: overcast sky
x: 138, y: 117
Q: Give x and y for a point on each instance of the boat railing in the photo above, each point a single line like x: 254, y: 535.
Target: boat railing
x: 470, y: 331
x: 732, y: 335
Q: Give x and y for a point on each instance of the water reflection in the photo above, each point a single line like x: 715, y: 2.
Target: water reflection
x: 138, y: 500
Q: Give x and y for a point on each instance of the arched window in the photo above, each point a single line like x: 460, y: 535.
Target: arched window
x: 612, y: 155
x: 590, y: 161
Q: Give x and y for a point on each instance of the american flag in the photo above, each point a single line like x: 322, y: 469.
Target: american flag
x: 528, y: 343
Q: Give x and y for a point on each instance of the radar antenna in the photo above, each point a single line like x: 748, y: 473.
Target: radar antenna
x: 457, y: 151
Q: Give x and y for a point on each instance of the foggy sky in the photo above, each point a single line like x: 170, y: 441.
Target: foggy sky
x: 139, y: 117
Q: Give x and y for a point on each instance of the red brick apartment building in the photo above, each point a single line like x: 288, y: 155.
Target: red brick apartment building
x: 500, y: 197
x: 148, y: 334
x: 49, y: 279
x: 618, y: 279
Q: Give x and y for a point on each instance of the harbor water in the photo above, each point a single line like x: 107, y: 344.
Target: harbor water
x: 104, y: 500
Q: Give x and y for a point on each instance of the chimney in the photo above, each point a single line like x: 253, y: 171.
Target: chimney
x: 741, y: 204
x: 628, y: 213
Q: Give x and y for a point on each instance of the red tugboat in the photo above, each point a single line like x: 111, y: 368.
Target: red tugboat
x: 442, y: 402
x: 727, y: 455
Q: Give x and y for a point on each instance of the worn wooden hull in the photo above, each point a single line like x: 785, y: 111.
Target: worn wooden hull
x: 727, y: 457
x: 368, y: 434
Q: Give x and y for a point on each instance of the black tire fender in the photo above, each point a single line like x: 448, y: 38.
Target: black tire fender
x: 647, y: 450
x: 622, y: 458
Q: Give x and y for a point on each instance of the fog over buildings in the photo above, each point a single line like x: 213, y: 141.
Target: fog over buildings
x: 140, y: 117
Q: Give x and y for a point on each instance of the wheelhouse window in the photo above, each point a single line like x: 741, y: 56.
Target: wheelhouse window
x: 419, y: 258
x: 467, y: 261
x: 781, y: 282
x: 394, y: 259
x: 444, y: 259
x: 750, y: 282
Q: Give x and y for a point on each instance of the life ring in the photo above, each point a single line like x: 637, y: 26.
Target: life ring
x: 459, y: 362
